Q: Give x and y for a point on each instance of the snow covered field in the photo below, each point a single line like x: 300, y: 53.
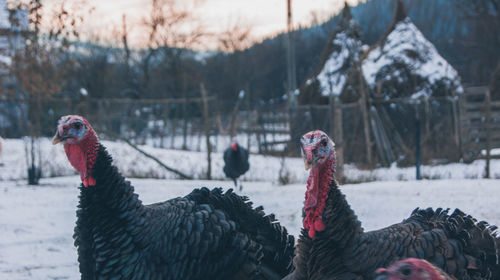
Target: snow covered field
x: 262, y: 168
x: 36, y: 223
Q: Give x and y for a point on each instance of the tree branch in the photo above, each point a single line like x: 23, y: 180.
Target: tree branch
x: 182, y: 175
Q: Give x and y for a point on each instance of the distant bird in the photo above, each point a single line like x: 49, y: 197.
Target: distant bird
x: 207, y: 234
x: 333, y: 245
x: 235, y: 162
x: 412, y: 269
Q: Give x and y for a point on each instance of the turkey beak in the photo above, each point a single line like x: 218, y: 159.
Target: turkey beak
x: 307, y: 155
x: 56, y: 139
x: 307, y: 165
x: 61, y: 135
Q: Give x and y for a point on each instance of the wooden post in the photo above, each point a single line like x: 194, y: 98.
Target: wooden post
x: 206, y: 124
x: 456, y: 124
x: 366, y: 124
x: 184, y: 123
x: 417, y: 148
x: 339, y: 138
x: 247, y: 96
x: 488, y: 133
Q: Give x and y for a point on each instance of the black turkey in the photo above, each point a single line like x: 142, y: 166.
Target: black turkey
x: 207, y: 234
x: 333, y: 245
x: 235, y: 162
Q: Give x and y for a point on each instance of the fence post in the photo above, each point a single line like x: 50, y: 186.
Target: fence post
x: 417, y: 148
x: 456, y: 124
x: 488, y: 133
x: 207, y: 130
x: 339, y: 138
x: 366, y: 124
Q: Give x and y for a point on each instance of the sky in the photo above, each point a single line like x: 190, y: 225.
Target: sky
x: 264, y: 17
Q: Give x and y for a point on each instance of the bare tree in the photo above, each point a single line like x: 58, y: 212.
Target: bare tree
x: 172, y: 29
x: 37, y: 67
x: 236, y: 37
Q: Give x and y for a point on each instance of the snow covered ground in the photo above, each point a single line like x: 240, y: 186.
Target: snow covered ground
x: 36, y: 223
x: 262, y: 168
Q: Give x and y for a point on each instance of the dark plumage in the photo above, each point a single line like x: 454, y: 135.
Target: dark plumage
x: 235, y: 162
x: 207, y: 234
x: 340, y: 249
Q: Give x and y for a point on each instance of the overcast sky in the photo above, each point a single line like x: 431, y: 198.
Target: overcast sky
x: 265, y: 17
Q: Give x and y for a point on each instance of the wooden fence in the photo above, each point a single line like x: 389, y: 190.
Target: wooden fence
x: 479, y: 122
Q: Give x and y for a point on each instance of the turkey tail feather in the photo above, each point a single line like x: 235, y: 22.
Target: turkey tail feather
x: 277, y: 244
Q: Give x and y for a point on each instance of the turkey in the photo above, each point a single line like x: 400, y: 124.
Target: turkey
x: 207, y: 234
x: 411, y: 269
x: 333, y: 245
x: 235, y: 162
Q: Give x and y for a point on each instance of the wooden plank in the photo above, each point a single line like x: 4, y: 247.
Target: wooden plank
x: 276, y: 143
x: 471, y: 115
x: 260, y: 130
x: 492, y: 125
x: 475, y: 90
x: 481, y: 145
x: 481, y: 137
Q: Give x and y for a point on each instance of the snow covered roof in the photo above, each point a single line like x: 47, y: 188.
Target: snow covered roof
x: 341, y: 53
x: 407, y: 64
x: 346, y: 52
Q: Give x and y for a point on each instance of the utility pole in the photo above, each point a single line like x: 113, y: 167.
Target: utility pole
x: 290, y: 58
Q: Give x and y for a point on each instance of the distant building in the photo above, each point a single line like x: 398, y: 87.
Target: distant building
x: 9, y: 33
x: 12, y: 24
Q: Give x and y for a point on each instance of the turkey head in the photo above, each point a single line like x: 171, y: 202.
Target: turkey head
x: 318, y: 153
x: 80, y: 144
x: 411, y: 269
x: 234, y: 146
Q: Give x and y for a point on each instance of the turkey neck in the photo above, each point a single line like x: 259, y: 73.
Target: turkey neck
x: 110, y: 216
x: 341, y: 223
x: 112, y: 195
x: 341, y: 226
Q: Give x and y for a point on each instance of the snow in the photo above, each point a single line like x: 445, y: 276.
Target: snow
x: 134, y: 164
x: 36, y: 223
x: 493, y: 152
x: 407, y: 45
x: 262, y: 168
x: 474, y: 170
x: 345, y: 49
x: 332, y: 77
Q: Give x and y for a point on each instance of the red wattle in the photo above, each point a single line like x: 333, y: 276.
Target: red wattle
x: 312, y: 233
x: 82, y: 157
x: 319, y: 225
x: 88, y: 181
x: 318, y: 185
